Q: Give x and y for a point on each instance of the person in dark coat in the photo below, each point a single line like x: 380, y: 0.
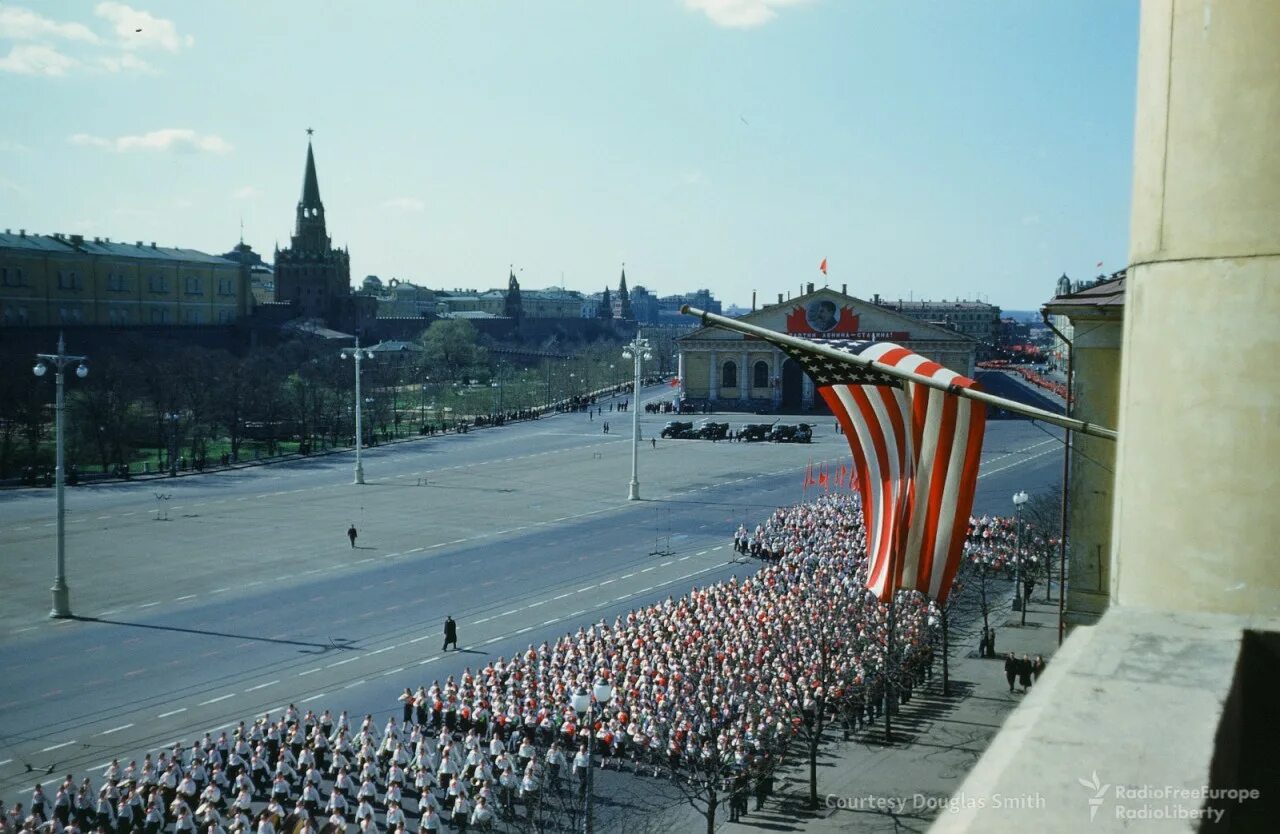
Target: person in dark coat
x: 983, y: 651
x: 1037, y: 666
x: 1010, y: 669
x: 450, y: 634
x: 991, y: 642
x: 1024, y: 673
x: 351, y: 534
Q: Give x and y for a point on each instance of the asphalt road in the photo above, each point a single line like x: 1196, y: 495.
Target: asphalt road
x: 249, y: 598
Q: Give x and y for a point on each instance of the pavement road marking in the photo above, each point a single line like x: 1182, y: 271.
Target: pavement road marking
x: 355, y: 683
x: 562, y: 596
x: 420, y: 639
x: 341, y: 662
x: 115, y: 729
x: 551, y: 622
x: 309, y: 672
x: 188, y: 596
x: 494, y: 640
x: 536, y: 604
x: 148, y: 604
x: 506, y: 613
x: 172, y: 712
x: 646, y: 570
x: 312, y: 698
x: 58, y: 746
x: 216, y: 700
x: 261, y: 686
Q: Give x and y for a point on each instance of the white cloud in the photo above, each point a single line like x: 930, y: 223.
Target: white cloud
x: 25, y: 25
x: 124, y: 62
x: 137, y: 29
x: 36, y: 59
x: 740, y: 14
x: 405, y: 204
x: 165, y: 139
x: 247, y: 192
x: 7, y: 146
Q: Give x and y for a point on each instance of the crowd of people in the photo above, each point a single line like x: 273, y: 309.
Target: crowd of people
x: 714, y: 685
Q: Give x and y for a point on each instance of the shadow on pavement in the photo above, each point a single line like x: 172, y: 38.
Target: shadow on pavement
x: 338, y: 644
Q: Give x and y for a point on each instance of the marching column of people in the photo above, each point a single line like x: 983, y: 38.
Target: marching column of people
x: 718, y: 681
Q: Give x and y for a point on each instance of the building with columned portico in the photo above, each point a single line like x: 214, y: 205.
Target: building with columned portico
x: 733, y: 372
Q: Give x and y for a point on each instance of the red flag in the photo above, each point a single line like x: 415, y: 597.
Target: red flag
x: 840, y: 479
x: 823, y: 266
x: 675, y: 382
x: 823, y: 480
x: 808, y: 476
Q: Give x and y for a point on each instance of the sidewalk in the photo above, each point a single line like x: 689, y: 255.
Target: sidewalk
x: 937, y: 739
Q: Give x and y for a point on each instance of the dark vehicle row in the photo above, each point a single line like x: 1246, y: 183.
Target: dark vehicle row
x: 750, y: 433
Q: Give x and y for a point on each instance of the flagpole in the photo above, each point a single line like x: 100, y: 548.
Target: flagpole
x: 888, y: 671
x: 713, y: 320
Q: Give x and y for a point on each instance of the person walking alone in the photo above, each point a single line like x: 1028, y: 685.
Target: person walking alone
x: 351, y: 534
x: 450, y: 634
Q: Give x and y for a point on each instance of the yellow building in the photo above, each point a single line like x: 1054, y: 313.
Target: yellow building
x: 66, y: 280
x: 731, y: 371
x: 1095, y: 316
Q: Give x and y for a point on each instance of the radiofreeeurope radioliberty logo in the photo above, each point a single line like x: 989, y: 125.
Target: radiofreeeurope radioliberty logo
x: 1099, y: 794
x: 1163, y: 802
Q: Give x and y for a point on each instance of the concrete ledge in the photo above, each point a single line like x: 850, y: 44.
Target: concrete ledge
x: 1130, y: 714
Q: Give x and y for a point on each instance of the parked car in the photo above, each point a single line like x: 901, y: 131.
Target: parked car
x: 677, y: 430
x: 791, y: 434
x: 782, y: 433
x: 708, y: 430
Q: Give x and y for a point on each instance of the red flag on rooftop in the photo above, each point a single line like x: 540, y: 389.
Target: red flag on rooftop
x: 823, y: 266
x: 915, y: 450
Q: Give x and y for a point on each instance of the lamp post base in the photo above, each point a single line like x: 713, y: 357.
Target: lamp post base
x: 61, y: 602
x: 359, y: 475
x: 633, y: 494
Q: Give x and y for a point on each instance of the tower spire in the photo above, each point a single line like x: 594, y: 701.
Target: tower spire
x: 310, y: 235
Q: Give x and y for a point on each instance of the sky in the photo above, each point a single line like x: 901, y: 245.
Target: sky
x: 925, y: 149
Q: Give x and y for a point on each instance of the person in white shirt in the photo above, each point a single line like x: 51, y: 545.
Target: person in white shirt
x: 555, y: 764
x: 461, y: 813
x: 264, y: 824
x: 395, y: 817
x: 482, y: 817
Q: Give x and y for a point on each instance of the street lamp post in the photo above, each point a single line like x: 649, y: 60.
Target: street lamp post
x: 1019, y: 604
x: 60, y: 360
x: 358, y: 355
x: 637, y: 349
x: 172, y: 418
x: 584, y: 704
